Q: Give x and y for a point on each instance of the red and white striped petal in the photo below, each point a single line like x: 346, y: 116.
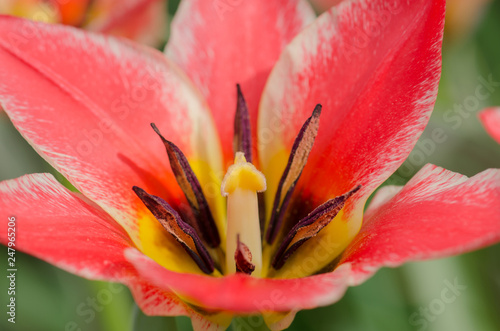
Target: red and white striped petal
x: 380, y: 198
x: 155, y: 301
x: 61, y: 228
x: 437, y: 214
x: 279, y: 321
x: 374, y: 66
x: 490, y: 118
x: 85, y: 103
x: 221, y: 43
x: 64, y: 229
x: 144, y: 21
x: 244, y: 294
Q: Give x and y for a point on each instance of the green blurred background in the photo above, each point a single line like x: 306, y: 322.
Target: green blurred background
x: 50, y: 299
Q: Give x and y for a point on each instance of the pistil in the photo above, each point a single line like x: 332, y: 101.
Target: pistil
x: 240, y: 186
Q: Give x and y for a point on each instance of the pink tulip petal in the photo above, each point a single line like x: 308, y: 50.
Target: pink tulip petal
x: 221, y: 43
x: 244, y: 294
x: 85, y: 102
x: 157, y: 302
x: 374, y: 66
x: 62, y: 228
x: 279, y: 321
x: 490, y: 118
x: 437, y: 214
x: 59, y: 227
x: 202, y: 323
x: 154, y: 301
x: 144, y: 21
x: 380, y: 198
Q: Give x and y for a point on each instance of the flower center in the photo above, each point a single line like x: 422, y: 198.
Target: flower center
x: 240, y: 186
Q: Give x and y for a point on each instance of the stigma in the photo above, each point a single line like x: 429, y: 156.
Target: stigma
x: 241, y: 184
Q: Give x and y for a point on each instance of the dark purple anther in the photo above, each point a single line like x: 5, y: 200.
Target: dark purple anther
x: 296, y: 162
x: 310, y: 226
x: 242, y: 139
x: 192, y: 190
x: 184, y: 233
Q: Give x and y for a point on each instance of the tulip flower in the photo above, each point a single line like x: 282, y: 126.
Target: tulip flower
x: 230, y: 176
x: 490, y: 118
x: 140, y: 20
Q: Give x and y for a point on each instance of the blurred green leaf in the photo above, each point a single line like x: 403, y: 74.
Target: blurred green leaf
x: 141, y: 322
x: 249, y: 323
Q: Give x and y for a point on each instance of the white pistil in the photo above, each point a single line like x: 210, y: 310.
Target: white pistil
x: 240, y: 186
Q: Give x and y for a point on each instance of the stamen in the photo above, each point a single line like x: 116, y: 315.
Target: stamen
x: 240, y: 185
x: 296, y: 162
x: 310, y: 226
x: 243, y: 258
x: 242, y: 140
x: 192, y: 190
x: 184, y: 233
